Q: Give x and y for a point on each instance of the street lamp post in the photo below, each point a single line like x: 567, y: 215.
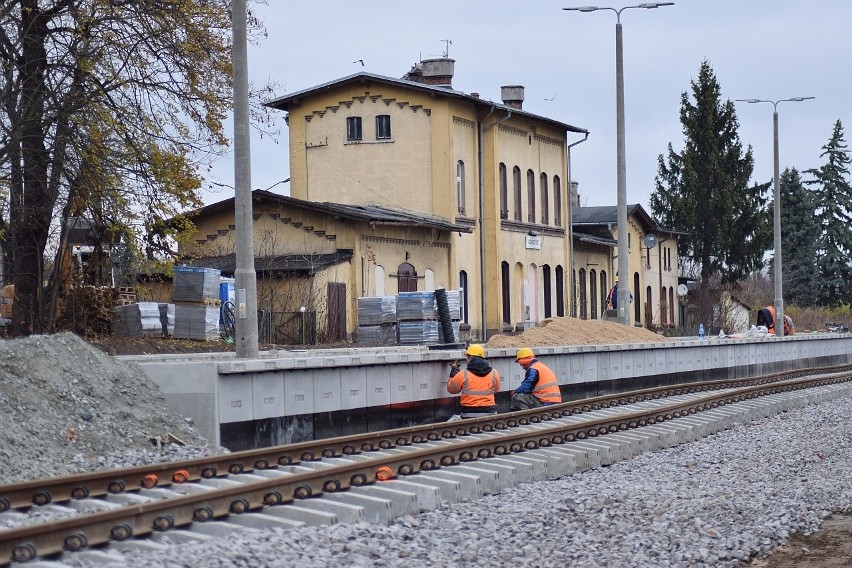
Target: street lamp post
x: 621, y: 164
x: 245, y: 276
x: 779, y: 296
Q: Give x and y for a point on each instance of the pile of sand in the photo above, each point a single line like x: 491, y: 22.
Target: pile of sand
x: 573, y: 331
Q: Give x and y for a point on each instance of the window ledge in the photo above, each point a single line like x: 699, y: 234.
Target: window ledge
x: 382, y: 141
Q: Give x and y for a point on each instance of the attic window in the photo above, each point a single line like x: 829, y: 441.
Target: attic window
x: 383, y: 127
x: 353, y: 128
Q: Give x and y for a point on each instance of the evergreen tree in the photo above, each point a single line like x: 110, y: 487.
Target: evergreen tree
x: 800, y: 233
x: 704, y: 190
x: 833, y: 197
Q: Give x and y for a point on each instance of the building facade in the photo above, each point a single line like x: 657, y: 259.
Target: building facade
x: 416, y: 144
x: 653, y: 277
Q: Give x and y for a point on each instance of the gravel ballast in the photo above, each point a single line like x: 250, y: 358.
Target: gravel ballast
x: 721, y: 501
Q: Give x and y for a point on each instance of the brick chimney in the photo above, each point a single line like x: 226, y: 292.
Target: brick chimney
x: 438, y: 72
x: 512, y: 96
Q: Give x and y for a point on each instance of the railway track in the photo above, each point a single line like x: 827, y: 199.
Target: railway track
x: 119, y: 505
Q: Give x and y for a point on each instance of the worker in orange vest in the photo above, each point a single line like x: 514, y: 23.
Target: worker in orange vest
x: 477, y: 383
x: 539, y: 387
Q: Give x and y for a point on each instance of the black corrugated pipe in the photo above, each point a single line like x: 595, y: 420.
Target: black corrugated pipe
x: 444, y: 315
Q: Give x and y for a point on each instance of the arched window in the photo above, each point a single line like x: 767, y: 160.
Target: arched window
x: 507, y: 292
x: 406, y: 278
x: 649, y: 307
x: 637, y: 296
x: 380, y: 280
x: 672, y: 321
x: 545, y: 198
x: 530, y: 293
x: 460, y: 194
x: 429, y: 280
x: 463, y: 304
x: 557, y: 201
x: 560, y: 291
x: 516, y: 190
x: 584, y: 306
x: 504, y: 191
x: 664, y: 311
x: 545, y: 276
x: 604, y: 289
x: 531, y: 196
x: 593, y: 293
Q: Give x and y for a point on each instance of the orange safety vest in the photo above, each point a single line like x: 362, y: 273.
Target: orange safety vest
x: 475, y: 391
x: 547, y: 387
x: 771, y: 328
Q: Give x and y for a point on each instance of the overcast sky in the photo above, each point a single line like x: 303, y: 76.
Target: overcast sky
x: 765, y: 49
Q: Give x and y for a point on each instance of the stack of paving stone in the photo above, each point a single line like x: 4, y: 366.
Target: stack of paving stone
x: 376, y: 310
x: 419, y: 332
x: 167, y: 318
x: 141, y: 319
x: 454, y: 302
x: 377, y: 320
x: 195, y: 293
x: 416, y: 306
x: 384, y: 334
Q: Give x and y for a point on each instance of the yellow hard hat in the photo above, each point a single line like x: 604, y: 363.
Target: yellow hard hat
x: 524, y: 353
x: 475, y: 350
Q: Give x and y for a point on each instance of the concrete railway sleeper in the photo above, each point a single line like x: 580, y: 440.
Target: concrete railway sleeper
x: 603, y: 435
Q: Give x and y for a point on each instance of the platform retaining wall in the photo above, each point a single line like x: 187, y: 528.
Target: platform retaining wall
x: 292, y: 396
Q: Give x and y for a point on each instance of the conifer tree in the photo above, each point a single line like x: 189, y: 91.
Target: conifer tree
x: 833, y: 197
x: 800, y: 233
x: 704, y: 190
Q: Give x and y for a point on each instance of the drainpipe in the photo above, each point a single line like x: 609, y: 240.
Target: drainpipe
x: 572, y: 312
x: 481, y: 158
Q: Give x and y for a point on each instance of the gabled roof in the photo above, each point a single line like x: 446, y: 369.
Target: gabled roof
x: 599, y: 220
x: 285, y: 103
x: 292, y: 264
x: 374, y: 214
x: 608, y: 215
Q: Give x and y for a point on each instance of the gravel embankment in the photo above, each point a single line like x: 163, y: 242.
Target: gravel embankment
x: 718, y: 502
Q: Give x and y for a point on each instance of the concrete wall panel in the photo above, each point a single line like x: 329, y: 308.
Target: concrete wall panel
x: 267, y: 395
x: 327, y: 391
x: 379, y: 385
x: 235, y: 398
x: 353, y: 386
x: 299, y: 392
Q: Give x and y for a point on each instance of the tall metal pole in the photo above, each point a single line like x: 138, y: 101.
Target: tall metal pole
x: 776, y: 227
x: 621, y: 181
x: 776, y: 221
x: 623, y: 266
x: 245, y: 276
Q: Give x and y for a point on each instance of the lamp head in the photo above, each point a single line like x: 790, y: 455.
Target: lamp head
x: 650, y: 5
x: 583, y: 9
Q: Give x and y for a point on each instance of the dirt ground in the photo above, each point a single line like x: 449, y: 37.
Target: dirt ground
x: 553, y: 331
x: 831, y: 547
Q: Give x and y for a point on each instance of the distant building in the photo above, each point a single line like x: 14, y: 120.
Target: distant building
x: 653, y: 277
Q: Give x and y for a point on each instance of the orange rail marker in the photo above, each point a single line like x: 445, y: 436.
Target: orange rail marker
x: 384, y: 473
x: 150, y: 481
x: 180, y: 476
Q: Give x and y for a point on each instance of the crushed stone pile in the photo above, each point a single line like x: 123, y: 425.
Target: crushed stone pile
x: 573, y: 331
x: 67, y: 407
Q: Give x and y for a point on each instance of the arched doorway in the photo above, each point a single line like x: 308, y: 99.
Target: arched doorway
x: 406, y: 278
